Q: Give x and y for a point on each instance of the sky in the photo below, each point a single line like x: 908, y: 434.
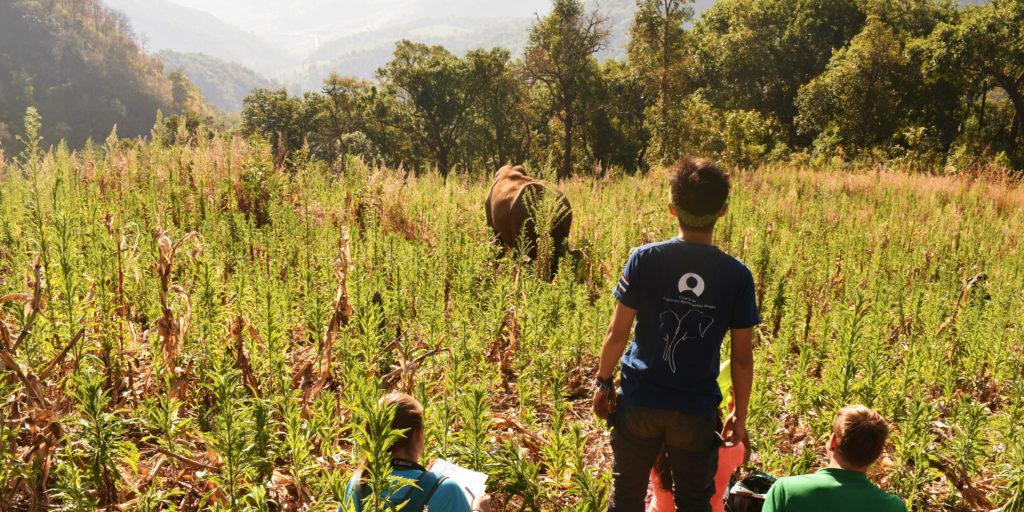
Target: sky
x: 335, y: 18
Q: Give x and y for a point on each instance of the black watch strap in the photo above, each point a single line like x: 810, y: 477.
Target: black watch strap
x: 604, y: 384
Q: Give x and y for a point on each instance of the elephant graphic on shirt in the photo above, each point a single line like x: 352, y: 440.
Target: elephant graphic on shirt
x: 675, y: 329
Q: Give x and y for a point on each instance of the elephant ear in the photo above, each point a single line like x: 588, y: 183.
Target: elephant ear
x: 704, y: 323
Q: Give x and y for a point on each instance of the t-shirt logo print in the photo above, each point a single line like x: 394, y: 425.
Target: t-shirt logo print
x: 691, y: 325
x: 692, y: 283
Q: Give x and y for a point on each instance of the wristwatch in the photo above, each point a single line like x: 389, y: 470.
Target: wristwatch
x: 606, y: 385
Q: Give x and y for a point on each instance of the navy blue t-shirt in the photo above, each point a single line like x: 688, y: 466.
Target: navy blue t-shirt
x: 687, y: 296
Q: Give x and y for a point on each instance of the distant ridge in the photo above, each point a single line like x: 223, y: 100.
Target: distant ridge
x: 74, y: 62
x: 165, y: 25
x: 223, y: 84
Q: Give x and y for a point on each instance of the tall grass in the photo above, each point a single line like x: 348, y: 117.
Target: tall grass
x: 235, y: 322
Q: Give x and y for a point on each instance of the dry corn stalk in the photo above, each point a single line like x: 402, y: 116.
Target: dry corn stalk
x: 242, y: 359
x: 171, y: 328
x: 29, y: 410
x: 343, y: 311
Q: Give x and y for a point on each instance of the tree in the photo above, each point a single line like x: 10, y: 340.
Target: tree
x: 615, y: 131
x: 860, y: 98
x: 284, y: 121
x: 338, y: 116
x: 982, y: 49
x: 438, y: 90
x: 658, y: 51
x: 559, y: 54
x: 502, y: 131
x: 755, y: 54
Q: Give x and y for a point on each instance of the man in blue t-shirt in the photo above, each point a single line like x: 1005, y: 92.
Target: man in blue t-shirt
x: 684, y: 294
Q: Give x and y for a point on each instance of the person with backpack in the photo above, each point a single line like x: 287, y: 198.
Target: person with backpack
x: 684, y: 294
x: 431, y: 491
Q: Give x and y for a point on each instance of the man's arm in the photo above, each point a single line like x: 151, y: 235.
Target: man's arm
x: 615, y: 341
x: 742, y: 367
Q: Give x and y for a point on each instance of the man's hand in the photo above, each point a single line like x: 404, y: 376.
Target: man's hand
x: 604, y: 403
x: 482, y: 503
x: 735, y: 430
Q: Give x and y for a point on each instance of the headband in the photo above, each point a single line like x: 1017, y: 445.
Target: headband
x: 697, y: 221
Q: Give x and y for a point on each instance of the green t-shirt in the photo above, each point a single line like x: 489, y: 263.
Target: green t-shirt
x: 831, y: 489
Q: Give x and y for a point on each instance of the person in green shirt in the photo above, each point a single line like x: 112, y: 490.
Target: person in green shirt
x: 858, y: 436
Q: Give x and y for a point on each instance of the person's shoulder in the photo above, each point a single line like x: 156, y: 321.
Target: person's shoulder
x: 653, y: 247
x: 449, y: 496
x: 797, y: 480
x: 798, y: 484
x: 648, y: 252
x: 733, y: 262
x: 449, y: 485
x: 889, y: 502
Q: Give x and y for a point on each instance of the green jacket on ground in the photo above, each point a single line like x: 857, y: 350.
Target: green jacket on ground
x: 831, y: 489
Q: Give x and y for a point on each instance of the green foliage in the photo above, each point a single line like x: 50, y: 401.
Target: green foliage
x: 859, y: 100
x: 32, y: 140
x: 222, y: 83
x: 660, y: 51
x: 77, y: 64
x: 270, y: 396
x: 559, y: 56
x: 162, y: 417
x: 755, y: 54
x: 99, y: 444
x: 374, y: 438
x: 980, y: 49
x: 436, y: 90
x: 232, y: 437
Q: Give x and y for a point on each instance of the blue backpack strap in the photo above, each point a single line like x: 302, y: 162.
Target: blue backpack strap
x: 355, y: 492
x: 420, y: 495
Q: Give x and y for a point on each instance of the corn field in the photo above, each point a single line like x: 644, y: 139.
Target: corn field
x: 191, y: 328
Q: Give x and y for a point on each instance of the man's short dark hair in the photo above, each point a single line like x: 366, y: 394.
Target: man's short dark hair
x: 700, y: 189
x: 860, y: 435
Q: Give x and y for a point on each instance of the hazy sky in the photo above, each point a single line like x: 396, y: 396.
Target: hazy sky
x: 338, y: 17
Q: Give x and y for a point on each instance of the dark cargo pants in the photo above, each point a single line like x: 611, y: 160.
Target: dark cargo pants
x: 692, y: 445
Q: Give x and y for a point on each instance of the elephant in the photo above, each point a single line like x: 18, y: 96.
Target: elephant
x: 693, y: 325
x: 509, y: 215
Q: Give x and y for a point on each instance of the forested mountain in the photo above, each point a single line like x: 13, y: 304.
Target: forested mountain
x: 223, y: 84
x: 301, y: 45
x: 163, y: 25
x: 921, y: 82
x: 307, y: 24
x: 74, y: 61
x: 361, y: 54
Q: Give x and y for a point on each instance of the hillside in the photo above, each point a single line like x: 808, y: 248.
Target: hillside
x: 362, y: 53
x: 307, y: 24
x: 223, y: 84
x: 75, y: 63
x: 165, y: 25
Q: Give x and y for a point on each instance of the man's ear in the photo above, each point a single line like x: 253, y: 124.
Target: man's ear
x: 725, y: 208
x: 672, y: 210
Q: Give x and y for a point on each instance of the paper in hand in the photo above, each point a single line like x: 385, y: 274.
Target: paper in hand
x: 473, y: 483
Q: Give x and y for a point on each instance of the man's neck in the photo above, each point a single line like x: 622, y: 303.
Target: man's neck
x: 697, y: 237
x: 834, y: 462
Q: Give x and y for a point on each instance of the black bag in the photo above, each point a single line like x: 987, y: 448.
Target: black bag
x: 748, y: 494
